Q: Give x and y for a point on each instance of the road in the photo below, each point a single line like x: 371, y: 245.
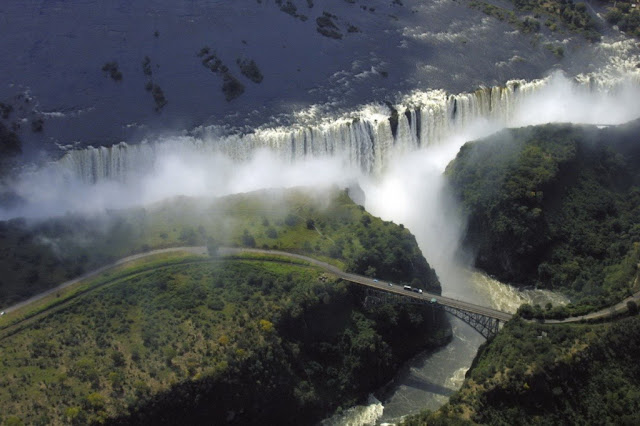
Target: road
x: 229, y: 251
x: 611, y: 311
x: 192, y: 250
x: 378, y: 285
x: 354, y: 278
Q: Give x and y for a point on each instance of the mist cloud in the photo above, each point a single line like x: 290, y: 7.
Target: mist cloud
x: 49, y: 193
x: 398, y: 193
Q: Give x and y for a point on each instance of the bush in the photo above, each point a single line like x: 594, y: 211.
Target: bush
x: 272, y: 233
x: 250, y: 69
x: 248, y: 240
x: 291, y: 220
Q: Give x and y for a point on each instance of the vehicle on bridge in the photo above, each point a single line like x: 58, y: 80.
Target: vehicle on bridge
x: 417, y: 290
x: 390, y: 284
x: 407, y: 287
x: 434, y: 300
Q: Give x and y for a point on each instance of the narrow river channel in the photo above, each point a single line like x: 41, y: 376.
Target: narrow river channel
x: 414, y: 193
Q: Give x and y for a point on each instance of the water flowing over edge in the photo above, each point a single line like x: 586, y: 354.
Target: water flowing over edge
x: 368, y: 137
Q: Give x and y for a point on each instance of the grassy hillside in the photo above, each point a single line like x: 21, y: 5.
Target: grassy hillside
x: 243, y: 340
x: 36, y: 256
x: 555, y: 206
x: 179, y: 338
x: 550, y: 374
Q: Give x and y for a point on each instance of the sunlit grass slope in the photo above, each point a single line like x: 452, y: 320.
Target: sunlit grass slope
x: 326, y: 225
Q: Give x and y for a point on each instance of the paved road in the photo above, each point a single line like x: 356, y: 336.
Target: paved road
x: 383, y: 286
x: 354, y: 278
x: 193, y: 250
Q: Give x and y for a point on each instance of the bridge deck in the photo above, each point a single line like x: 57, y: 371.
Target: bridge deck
x: 381, y: 286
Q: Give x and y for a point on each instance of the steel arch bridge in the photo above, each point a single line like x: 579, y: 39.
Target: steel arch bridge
x: 486, y: 325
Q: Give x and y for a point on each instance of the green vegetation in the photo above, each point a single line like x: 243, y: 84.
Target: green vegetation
x: 250, y: 69
x: 156, y: 91
x: 557, y: 207
x: 183, y: 338
x: 158, y: 97
x: 626, y: 15
x: 559, y: 14
x: 37, y: 256
x: 15, y: 320
x: 555, y: 49
x: 231, y: 86
x: 551, y: 374
x: 290, y: 9
x: 146, y: 66
x: 192, y: 338
x: 111, y: 69
x: 5, y: 110
x: 327, y: 27
x: 10, y: 148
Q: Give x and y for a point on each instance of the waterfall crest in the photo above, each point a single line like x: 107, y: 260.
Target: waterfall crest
x: 366, y: 138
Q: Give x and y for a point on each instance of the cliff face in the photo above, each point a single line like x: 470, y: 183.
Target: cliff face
x: 554, y: 206
x: 552, y: 374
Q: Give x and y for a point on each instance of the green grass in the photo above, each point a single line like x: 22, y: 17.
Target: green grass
x: 116, y: 275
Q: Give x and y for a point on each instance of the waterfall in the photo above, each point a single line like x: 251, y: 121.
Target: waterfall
x: 366, y: 137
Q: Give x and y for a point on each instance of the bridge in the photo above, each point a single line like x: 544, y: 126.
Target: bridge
x: 485, y: 321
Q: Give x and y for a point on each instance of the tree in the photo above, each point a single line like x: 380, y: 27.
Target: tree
x: 525, y: 311
x: 370, y: 272
x: 118, y: 358
x: 14, y: 421
x: 95, y: 401
x: 248, y: 240
x: 272, y: 233
x: 291, y: 220
x: 632, y: 307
